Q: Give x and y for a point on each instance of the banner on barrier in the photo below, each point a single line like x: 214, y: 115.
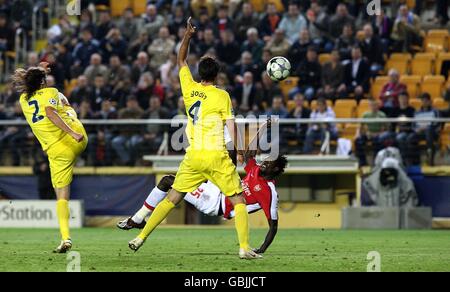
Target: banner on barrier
x: 35, y: 213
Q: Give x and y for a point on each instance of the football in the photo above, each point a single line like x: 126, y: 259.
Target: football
x: 278, y: 68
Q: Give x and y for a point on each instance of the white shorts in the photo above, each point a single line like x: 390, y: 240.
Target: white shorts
x: 207, y: 198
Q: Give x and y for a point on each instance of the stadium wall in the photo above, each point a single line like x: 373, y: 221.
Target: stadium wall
x: 121, y: 191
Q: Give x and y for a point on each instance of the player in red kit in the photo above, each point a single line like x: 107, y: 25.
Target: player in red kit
x: 259, y: 190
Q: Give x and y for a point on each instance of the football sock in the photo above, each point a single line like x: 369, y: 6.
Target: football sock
x: 153, y: 199
x: 62, y: 210
x: 159, y: 214
x: 241, y: 223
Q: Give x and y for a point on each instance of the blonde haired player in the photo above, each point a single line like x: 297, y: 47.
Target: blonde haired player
x: 60, y: 133
x: 209, y: 109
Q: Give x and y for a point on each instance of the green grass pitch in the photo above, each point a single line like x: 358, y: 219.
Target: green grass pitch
x: 215, y: 249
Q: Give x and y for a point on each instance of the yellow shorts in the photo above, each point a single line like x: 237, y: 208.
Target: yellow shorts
x: 215, y: 166
x: 62, y: 157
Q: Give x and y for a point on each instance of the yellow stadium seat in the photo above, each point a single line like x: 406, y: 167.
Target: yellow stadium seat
x: 445, y: 137
x: 440, y: 104
x: 290, y: 105
x: 415, y: 103
x: 349, y: 131
x: 436, y: 40
x: 399, y: 61
x: 442, y: 56
x: 345, y: 108
x: 70, y: 86
x: 412, y: 83
x: 260, y: 5
x: 422, y: 64
x: 139, y: 6
x: 288, y: 84
x: 362, y: 107
x: 433, y: 85
x: 323, y: 58
x: 377, y: 86
x: 118, y: 6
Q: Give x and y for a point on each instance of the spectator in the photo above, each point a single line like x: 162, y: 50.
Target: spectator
x: 318, y: 26
x: 298, y: 131
x: 41, y: 169
x: 223, y: 22
x: 246, y: 64
x: 297, y: 52
x: 391, y: 90
x: 208, y: 42
x: 84, y: 50
x: 253, y: 45
x: 246, y: 93
x: 118, y: 80
x: 339, y: 20
x: 269, y: 22
x: 139, y: 45
x: 278, y: 108
x: 100, y: 91
x: 58, y: 32
x: 375, y: 133
x: 96, y: 68
x: 128, y: 25
x: 404, y: 131
x: 292, y: 23
x: 356, y: 75
x: 32, y: 59
x: 268, y: 89
x: 56, y: 69
x: 141, y: 66
x: 146, y: 87
x: 104, y: 25
x: 177, y: 19
x: 152, y: 21
x: 161, y: 48
x: 202, y: 6
x: 332, y: 77
x: 169, y: 71
x: 245, y: 20
x: 125, y: 143
x: 309, y: 73
x: 113, y: 44
x: 406, y: 31
x: 80, y: 91
x: 227, y: 49
x: 371, y: 48
x: 6, y: 35
x: 318, y: 132
x: 382, y: 25
x: 64, y: 58
x: 85, y: 111
x: 13, y: 136
x: 428, y: 131
x: 278, y: 45
x: 86, y: 22
x: 346, y: 42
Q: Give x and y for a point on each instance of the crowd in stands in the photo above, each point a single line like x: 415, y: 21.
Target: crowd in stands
x: 125, y: 68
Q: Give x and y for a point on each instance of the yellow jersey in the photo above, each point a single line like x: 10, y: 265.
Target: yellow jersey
x: 34, y: 111
x: 207, y: 108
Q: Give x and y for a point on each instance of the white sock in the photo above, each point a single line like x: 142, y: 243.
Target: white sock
x: 153, y: 199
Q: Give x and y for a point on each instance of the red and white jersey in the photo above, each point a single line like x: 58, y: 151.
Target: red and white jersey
x: 259, y: 194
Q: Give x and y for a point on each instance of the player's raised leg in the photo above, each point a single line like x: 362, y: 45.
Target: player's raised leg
x: 154, y: 198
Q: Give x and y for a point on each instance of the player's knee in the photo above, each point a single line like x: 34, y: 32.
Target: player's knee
x: 165, y: 184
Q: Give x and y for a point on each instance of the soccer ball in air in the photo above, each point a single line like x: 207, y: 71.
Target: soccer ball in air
x: 278, y: 68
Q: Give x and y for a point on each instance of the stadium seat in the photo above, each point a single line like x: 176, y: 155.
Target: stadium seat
x: 349, y: 131
x: 440, y: 104
x: 287, y: 85
x: 445, y: 137
x: 415, y: 103
x: 442, y: 56
x: 323, y: 58
x: 139, y: 6
x: 422, y: 64
x: 377, y: 86
x: 412, y: 83
x: 70, y: 86
x: 399, y: 61
x: 436, y: 40
x: 345, y: 108
x: 118, y: 6
x: 260, y: 5
x: 433, y: 85
x: 362, y: 107
x: 290, y: 105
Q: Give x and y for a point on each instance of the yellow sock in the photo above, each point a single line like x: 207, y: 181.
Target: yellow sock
x: 241, y: 223
x: 159, y: 214
x: 62, y: 210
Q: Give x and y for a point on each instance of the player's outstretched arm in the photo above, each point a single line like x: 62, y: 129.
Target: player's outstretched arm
x: 273, y: 228
x: 59, y: 122
x: 184, y: 48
